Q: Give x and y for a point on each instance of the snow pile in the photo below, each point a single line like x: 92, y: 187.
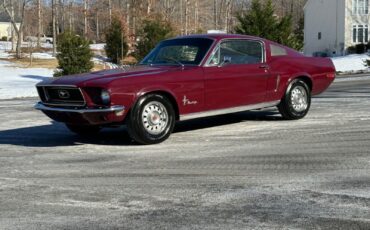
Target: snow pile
x: 7, y: 46
x: 351, y: 63
x: 98, y: 46
x: 5, y: 55
x: 18, y: 82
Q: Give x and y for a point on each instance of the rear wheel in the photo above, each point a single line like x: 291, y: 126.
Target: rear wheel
x: 151, y: 120
x: 296, y: 101
x: 84, y: 130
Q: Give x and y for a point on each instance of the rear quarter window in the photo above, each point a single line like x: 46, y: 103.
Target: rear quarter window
x: 278, y: 51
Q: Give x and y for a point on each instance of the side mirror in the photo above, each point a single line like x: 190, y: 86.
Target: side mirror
x: 225, y: 61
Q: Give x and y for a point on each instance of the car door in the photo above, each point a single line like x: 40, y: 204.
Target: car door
x: 236, y: 74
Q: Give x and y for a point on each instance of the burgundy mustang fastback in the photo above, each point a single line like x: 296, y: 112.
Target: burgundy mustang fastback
x: 184, y: 78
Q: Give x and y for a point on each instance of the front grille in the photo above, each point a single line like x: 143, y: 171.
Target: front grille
x: 61, y: 95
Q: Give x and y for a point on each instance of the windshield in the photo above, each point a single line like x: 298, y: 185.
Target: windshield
x: 184, y: 51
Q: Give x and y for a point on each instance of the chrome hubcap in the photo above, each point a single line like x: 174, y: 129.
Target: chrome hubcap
x: 299, y: 99
x: 154, y: 118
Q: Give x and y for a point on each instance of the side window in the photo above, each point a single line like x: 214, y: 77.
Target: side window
x: 238, y: 52
x: 277, y: 51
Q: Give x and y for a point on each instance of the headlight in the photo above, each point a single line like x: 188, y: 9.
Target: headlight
x: 105, y: 97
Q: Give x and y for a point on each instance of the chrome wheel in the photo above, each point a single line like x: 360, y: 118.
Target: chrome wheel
x: 154, y: 118
x: 299, y: 99
x: 296, y: 101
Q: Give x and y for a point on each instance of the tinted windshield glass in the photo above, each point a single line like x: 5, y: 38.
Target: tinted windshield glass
x: 187, y: 51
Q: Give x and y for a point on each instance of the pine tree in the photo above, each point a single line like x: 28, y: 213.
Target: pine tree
x: 116, y: 45
x: 152, y: 32
x: 260, y: 20
x: 74, y: 54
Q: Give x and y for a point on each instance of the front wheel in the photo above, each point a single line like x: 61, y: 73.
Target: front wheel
x: 151, y: 120
x: 296, y: 101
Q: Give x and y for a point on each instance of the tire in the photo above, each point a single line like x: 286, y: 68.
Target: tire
x: 296, y: 101
x: 84, y: 130
x: 151, y: 120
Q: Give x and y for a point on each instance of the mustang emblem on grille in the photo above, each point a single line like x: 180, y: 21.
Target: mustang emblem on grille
x: 64, y: 94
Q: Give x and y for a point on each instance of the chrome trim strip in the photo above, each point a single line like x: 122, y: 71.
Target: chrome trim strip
x: 65, y: 104
x: 227, y: 111
x: 263, y: 43
x: 51, y: 85
x: 117, y: 108
x: 277, y: 83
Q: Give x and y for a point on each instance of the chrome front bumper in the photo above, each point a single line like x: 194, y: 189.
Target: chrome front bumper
x: 116, y: 109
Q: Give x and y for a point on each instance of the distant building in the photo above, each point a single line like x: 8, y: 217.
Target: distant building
x: 6, y: 29
x: 331, y: 26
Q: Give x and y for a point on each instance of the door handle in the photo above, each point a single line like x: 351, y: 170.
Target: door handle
x: 266, y: 67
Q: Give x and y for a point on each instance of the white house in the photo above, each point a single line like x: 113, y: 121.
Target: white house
x: 5, y: 29
x: 331, y: 26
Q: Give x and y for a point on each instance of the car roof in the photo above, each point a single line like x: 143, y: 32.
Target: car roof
x: 220, y: 36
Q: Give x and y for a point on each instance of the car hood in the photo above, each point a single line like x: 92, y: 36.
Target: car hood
x: 109, y: 75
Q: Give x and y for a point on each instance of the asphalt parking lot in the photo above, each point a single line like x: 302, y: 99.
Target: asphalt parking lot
x: 249, y: 170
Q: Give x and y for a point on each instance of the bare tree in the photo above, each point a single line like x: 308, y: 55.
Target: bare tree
x: 62, y: 15
x: 54, y: 27
x: 8, y: 5
x: 85, y: 17
x: 110, y: 11
x: 39, y: 23
x: 12, y: 15
x: 187, y: 18
x: 71, y: 17
x: 215, y: 16
x: 228, y: 10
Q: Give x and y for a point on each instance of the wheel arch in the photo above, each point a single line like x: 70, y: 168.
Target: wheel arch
x: 164, y: 93
x: 306, y: 78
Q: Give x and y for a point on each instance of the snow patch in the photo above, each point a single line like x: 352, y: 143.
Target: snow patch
x: 351, y: 63
x: 98, y: 46
x: 18, y: 82
x: 47, y: 56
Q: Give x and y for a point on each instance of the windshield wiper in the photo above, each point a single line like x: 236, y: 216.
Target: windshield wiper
x: 174, y: 60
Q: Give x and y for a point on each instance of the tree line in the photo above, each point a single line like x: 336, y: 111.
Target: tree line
x: 92, y: 19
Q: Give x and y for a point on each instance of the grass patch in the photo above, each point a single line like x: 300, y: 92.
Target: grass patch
x: 36, y: 63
